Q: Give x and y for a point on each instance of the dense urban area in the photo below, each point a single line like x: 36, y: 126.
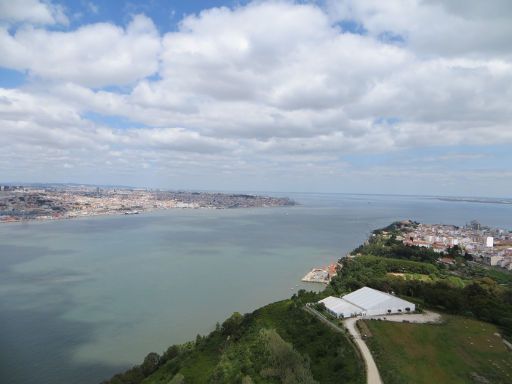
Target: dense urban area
x: 491, y: 246
x: 447, y: 244
x: 19, y: 203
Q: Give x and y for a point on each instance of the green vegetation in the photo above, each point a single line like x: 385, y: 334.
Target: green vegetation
x: 279, y: 343
x: 366, y: 270
x: 453, y: 280
x: 396, y: 228
x: 475, y: 271
x: 465, y: 289
x: 461, y: 350
x: 387, y: 246
x: 482, y: 298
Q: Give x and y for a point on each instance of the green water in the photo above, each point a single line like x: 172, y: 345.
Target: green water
x: 83, y: 299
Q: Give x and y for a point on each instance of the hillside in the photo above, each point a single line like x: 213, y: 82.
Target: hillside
x: 279, y: 343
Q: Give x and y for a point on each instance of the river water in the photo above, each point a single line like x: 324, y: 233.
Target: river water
x: 83, y: 299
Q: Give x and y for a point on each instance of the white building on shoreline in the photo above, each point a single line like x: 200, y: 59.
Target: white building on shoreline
x: 366, y: 302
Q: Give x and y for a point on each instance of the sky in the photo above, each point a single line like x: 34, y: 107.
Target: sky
x: 354, y: 96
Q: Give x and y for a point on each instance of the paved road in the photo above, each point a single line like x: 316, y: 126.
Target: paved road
x: 372, y: 373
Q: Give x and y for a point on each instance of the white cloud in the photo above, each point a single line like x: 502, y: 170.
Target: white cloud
x: 441, y: 27
x: 262, y: 87
x: 32, y: 11
x: 94, y: 55
x: 29, y: 120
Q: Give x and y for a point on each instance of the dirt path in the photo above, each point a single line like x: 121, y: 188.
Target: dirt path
x: 372, y: 373
x: 323, y: 319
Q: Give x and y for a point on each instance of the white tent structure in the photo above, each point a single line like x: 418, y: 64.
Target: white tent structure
x: 341, y: 308
x: 366, y: 302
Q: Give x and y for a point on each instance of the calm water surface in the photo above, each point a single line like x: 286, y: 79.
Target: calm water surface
x: 83, y: 299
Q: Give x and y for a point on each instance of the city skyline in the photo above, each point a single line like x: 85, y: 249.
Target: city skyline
x: 406, y: 97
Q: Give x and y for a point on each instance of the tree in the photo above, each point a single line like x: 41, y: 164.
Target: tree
x: 232, y: 326
x: 150, y: 364
x: 170, y: 354
x: 455, y: 251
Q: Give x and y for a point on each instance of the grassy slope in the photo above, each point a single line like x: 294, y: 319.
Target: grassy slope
x: 331, y: 354
x: 449, y: 353
x: 196, y: 365
x: 453, y: 280
x: 332, y: 357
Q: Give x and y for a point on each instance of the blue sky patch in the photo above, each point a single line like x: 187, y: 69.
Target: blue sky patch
x: 391, y: 120
x: 10, y: 78
x: 117, y: 122
x: 166, y: 14
x: 391, y: 38
x: 352, y: 26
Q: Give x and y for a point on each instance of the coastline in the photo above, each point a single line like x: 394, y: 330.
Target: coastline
x: 140, y: 212
x: 89, y: 216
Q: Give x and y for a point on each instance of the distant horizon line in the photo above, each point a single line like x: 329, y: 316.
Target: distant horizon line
x: 32, y: 184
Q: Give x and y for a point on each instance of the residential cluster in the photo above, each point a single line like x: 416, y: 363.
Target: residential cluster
x: 46, y: 203
x: 491, y: 246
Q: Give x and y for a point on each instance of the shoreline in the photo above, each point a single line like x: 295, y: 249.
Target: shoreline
x: 142, y: 212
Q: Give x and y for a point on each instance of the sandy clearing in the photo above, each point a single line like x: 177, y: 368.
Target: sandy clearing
x: 423, y: 318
